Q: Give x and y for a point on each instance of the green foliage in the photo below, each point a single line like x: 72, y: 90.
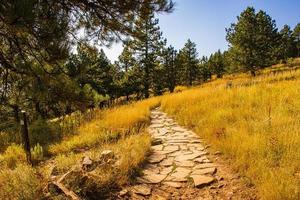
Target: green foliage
x: 252, y: 40
x: 187, y: 57
x: 43, y: 133
x: 20, y: 183
x: 37, y: 152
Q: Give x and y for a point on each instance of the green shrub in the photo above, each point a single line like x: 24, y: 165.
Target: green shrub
x: 37, y: 152
x: 20, y: 183
x: 13, y: 156
x: 43, y: 132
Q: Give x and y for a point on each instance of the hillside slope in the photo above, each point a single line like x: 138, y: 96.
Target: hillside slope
x: 254, y: 122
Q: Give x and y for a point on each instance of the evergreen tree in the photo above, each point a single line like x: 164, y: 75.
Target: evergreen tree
x: 252, y: 40
x: 129, y: 84
x: 169, y: 67
x: 188, y: 56
x: 287, y: 43
x: 147, y: 45
x: 296, y: 35
x: 217, y: 64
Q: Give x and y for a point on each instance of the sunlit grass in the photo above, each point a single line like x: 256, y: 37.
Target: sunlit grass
x: 114, y: 124
x: 255, y: 122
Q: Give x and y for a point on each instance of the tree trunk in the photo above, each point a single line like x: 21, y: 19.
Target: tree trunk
x: 16, y: 113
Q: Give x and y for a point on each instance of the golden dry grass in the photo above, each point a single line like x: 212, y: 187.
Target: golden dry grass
x: 255, y: 122
x: 114, y: 124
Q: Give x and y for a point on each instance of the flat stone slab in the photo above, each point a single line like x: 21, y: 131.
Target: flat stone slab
x: 173, y: 184
x: 185, y: 163
x: 204, y: 165
x: 201, y: 180
x: 157, y: 147
x: 180, y: 174
x: 210, y: 171
x: 166, y: 170
x: 152, y: 178
x: 167, y: 162
x: 171, y: 148
x: 141, y: 189
x: 187, y: 157
x: 156, y: 158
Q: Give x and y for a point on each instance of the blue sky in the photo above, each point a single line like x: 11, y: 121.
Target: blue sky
x: 204, y: 21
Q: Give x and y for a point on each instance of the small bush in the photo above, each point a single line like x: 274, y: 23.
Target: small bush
x: 20, y: 183
x: 43, y: 133
x: 13, y: 155
x: 37, y: 152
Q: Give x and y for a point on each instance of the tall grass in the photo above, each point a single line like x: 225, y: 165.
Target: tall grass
x: 114, y: 124
x: 256, y: 124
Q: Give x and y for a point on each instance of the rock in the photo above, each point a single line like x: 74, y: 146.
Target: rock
x: 163, y: 131
x: 156, y: 141
x: 173, y: 184
x: 152, y: 178
x: 171, y: 148
x: 179, y: 174
x: 211, y: 171
x: 123, y: 192
x: 106, y: 155
x: 201, y: 180
x: 141, y: 189
x: 187, y: 157
x: 167, y: 162
x: 185, y: 163
x: 87, y: 164
x: 86, y: 161
x: 157, y: 147
x: 204, y: 165
x: 178, y: 129
x: 166, y: 170
x: 156, y: 158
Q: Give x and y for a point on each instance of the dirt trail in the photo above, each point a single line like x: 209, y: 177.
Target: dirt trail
x: 180, y: 167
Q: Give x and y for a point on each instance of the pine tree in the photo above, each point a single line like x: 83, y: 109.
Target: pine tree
x: 296, y: 34
x: 169, y: 67
x: 217, y: 64
x: 189, y: 54
x: 287, y: 43
x: 147, y: 45
x: 252, y: 40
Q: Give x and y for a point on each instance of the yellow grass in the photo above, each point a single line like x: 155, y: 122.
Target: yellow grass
x: 255, y: 122
x: 114, y: 124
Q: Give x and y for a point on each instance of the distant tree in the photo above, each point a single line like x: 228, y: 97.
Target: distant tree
x: 169, y: 67
x: 296, y: 34
x: 217, y: 64
x: 252, y: 40
x: 126, y: 62
x: 287, y: 45
x: 188, y: 55
x: 205, y: 70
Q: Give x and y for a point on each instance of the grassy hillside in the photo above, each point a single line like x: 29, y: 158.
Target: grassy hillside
x: 255, y: 122
x: 120, y: 129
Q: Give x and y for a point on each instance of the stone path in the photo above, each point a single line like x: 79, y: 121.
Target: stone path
x: 179, y: 167
x: 178, y: 158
